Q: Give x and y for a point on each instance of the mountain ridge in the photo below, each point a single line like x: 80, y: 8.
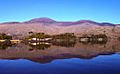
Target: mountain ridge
x: 64, y: 23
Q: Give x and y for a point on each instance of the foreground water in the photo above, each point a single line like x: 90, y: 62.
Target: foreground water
x: 61, y: 59
x: 100, y: 65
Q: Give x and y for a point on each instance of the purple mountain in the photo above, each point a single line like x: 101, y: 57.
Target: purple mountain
x: 41, y: 20
x: 68, y: 23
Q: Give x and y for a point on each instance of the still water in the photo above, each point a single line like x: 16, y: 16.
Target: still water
x: 56, y: 58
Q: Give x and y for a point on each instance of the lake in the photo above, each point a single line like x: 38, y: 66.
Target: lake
x: 60, y: 58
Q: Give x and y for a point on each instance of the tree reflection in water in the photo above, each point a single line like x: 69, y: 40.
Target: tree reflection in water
x: 6, y: 44
x: 45, y: 52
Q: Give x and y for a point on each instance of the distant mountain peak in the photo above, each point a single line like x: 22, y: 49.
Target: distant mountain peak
x: 93, y: 22
x: 11, y: 23
x: 87, y: 21
x: 79, y: 22
x: 108, y: 24
x: 41, y: 20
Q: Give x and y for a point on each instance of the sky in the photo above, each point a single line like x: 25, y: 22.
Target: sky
x: 60, y: 10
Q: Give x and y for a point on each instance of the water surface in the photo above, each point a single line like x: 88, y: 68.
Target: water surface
x: 45, y: 58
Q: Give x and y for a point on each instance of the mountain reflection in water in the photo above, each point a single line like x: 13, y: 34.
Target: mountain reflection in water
x: 45, y: 52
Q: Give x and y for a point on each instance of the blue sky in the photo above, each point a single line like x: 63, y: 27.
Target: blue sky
x: 61, y: 10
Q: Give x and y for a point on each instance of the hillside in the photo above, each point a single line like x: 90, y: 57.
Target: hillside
x: 52, y: 27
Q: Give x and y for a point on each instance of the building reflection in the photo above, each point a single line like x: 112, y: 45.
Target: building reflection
x: 39, y: 45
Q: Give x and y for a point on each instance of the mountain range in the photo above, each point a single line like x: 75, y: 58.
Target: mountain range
x: 52, y: 27
x: 49, y: 21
